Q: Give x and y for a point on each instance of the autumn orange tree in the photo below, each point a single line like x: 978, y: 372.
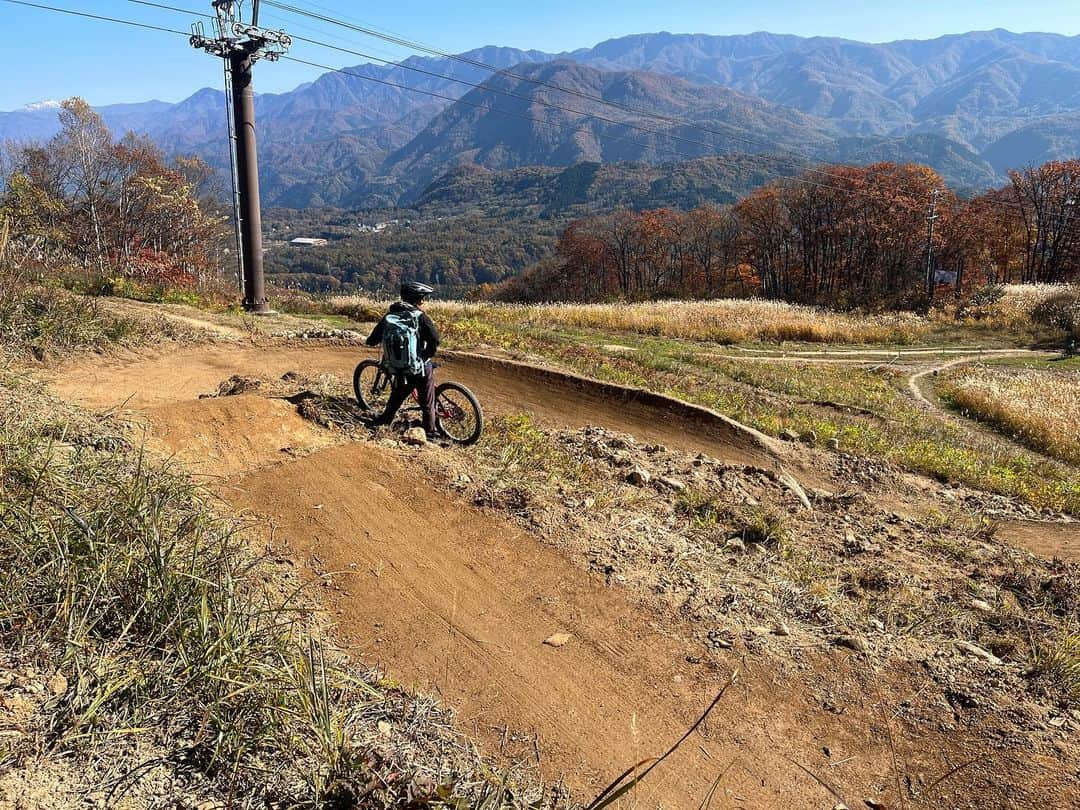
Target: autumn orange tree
x: 114, y: 206
x: 848, y: 237
x: 853, y: 236
x: 1047, y: 204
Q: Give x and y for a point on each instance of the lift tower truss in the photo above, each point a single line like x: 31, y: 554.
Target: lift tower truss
x: 240, y: 45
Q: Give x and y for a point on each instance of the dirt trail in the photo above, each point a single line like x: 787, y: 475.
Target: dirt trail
x: 915, y: 384
x: 458, y: 601
x: 974, y: 352
x: 455, y: 600
x: 143, y: 380
x: 920, y: 386
x: 175, y: 313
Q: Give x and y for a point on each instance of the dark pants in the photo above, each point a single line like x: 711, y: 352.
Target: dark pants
x: 424, y: 385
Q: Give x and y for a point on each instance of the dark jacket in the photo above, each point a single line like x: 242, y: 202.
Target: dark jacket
x: 428, y: 338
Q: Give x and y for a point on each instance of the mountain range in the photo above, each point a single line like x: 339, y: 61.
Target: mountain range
x: 971, y: 105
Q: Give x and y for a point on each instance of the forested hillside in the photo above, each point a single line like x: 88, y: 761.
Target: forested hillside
x: 475, y: 226
x: 971, y: 106
x: 852, y: 237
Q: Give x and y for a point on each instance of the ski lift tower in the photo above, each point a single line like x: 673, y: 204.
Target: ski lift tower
x: 240, y: 45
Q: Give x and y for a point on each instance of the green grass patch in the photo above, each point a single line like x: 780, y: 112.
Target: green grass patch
x: 866, y: 409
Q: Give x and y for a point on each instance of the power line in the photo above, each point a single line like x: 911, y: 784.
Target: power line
x: 173, y: 8
x: 770, y: 156
x: 711, y: 148
x: 100, y: 17
x: 419, y: 46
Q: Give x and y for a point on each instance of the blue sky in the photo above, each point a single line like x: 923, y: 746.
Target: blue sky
x: 51, y: 56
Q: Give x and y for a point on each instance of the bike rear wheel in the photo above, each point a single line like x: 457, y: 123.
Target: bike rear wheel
x: 458, y: 413
x: 372, y: 386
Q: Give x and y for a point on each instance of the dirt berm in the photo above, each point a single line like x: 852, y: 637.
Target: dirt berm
x: 557, y: 398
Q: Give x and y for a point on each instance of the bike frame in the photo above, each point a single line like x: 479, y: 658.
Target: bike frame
x: 386, y: 378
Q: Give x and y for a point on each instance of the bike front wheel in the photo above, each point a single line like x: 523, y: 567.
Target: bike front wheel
x: 372, y: 386
x: 458, y: 413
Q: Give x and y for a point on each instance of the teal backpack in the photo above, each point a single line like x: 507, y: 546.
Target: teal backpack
x: 401, y: 343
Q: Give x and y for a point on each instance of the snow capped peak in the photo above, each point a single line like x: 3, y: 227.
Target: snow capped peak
x: 49, y: 104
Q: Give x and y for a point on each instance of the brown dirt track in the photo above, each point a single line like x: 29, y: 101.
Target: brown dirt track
x: 144, y: 380
x: 458, y: 601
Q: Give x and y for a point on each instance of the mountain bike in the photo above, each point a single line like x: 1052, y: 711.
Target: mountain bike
x: 458, y: 415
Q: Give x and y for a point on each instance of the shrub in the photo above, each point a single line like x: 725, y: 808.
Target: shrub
x: 1060, y: 311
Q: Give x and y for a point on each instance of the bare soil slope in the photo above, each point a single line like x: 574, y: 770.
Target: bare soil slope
x: 459, y: 601
x: 222, y: 437
x: 451, y: 599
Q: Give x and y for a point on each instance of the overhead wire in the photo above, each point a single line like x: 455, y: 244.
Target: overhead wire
x: 419, y: 46
x: 100, y: 17
x: 771, y: 157
x: 482, y: 86
x: 492, y: 108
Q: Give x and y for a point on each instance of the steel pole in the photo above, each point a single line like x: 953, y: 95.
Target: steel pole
x: 247, y: 170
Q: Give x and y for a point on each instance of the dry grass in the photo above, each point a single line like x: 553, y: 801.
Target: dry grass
x: 1057, y: 659
x: 1031, y: 312
x: 1019, y: 301
x: 166, y: 635
x: 1040, y: 408
x: 723, y: 321
x: 43, y: 322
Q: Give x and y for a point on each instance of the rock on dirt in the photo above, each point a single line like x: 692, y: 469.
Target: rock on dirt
x: 855, y: 643
x: 639, y: 477
x: 673, y: 484
x: 978, y: 652
x: 238, y: 384
x: 58, y: 684
x: 789, y: 435
x: 343, y: 335
x: 415, y: 436
x: 557, y: 639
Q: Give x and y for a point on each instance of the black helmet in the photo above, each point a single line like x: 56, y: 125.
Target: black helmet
x: 413, y: 292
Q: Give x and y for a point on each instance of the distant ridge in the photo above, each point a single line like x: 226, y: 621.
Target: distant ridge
x: 972, y: 105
